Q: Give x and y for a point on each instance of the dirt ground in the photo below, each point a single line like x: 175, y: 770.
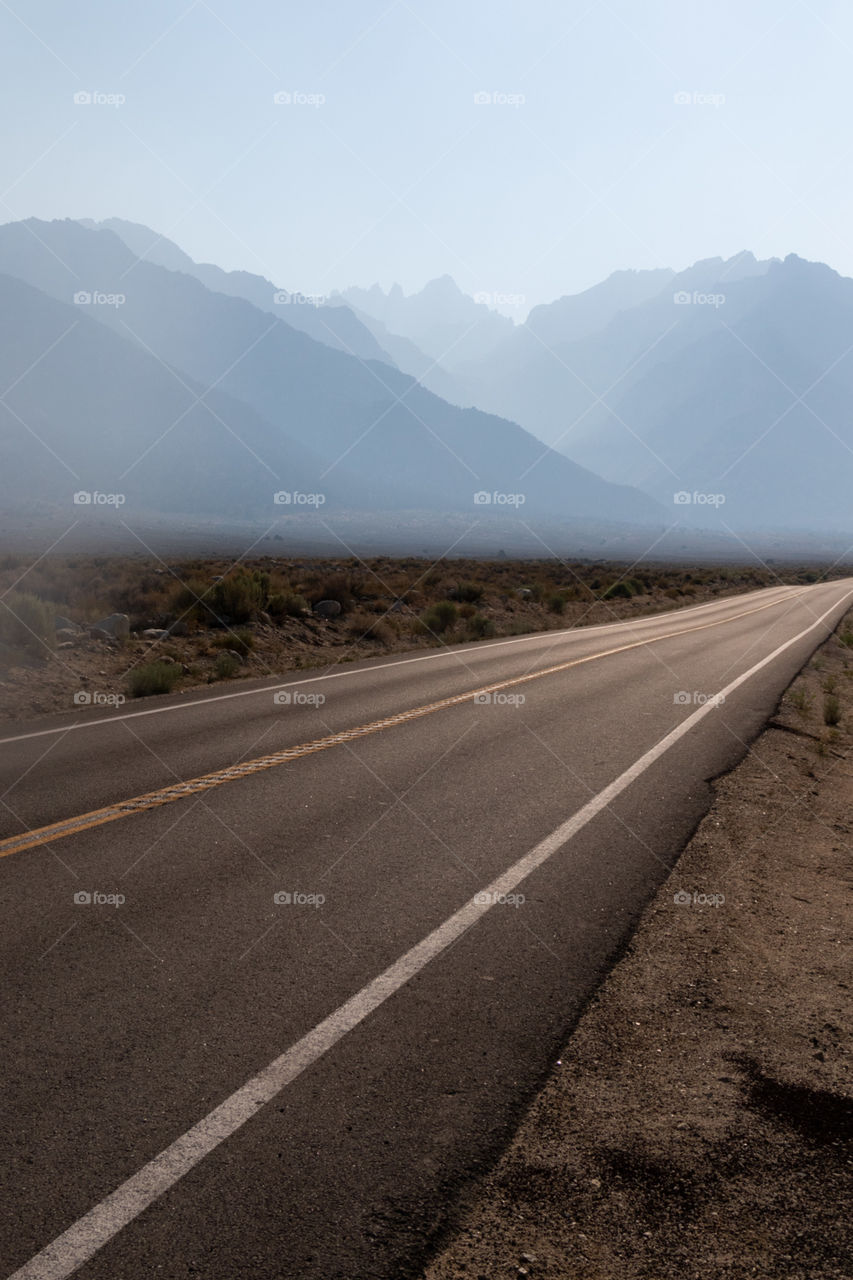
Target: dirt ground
x: 698, y: 1122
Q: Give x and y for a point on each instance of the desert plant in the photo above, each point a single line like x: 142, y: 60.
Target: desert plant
x: 480, y: 627
x: 153, y: 677
x: 226, y: 665
x: 362, y: 627
x: 618, y: 590
x: 831, y: 709
x: 466, y: 593
x: 26, y: 622
x: 239, y: 595
x: 440, y: 617
x: 240, y: 641
x: 192, y: 600
x: 800, y: 701
x: 286, y: 604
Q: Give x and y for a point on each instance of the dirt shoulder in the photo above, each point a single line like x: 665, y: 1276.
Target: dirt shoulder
x: 698, y: 1123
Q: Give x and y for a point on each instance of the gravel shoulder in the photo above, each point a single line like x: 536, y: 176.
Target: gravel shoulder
x: 699, y: 1120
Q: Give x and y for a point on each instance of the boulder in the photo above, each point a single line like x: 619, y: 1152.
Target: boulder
x: 117, y: 625
x: 65, y: 624
x: 327, y: 609
x: 154, y: 633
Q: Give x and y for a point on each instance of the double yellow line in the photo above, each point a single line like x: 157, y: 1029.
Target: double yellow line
x: 207, y: 781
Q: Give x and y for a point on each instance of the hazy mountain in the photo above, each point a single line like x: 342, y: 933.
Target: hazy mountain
x: 383, y: 439
x: 332, y: 323
x: 577, y: 315
x: 550, y: 373
x: 749, y: 398
x: 441, y: 320
x: 410, y: 359
x: 88, y: 410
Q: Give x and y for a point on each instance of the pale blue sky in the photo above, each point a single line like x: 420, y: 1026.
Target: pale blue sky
x: 399, y: 174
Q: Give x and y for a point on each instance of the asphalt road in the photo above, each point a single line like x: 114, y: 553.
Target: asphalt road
x: 200, y: 1081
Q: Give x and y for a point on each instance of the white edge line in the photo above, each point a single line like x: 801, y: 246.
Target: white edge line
x: 89, y: 1234
x: 682, y: 611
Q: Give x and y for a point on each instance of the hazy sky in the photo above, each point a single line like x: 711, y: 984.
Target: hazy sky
x: 383, y: 166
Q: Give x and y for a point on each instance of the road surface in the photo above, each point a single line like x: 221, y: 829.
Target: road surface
x: 282, y: 963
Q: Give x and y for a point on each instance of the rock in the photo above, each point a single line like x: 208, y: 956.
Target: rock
x: 178, y: 629
x: 66, y: 644
x: 65, y: 624
x: 232, y: 653
x: 524, y: 593
x: 117, y: 625
x: 154, y: 633
x: 327, y: 609
x: 67, y: 636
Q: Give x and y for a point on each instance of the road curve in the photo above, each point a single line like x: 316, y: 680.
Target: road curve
x: 204, y: 1081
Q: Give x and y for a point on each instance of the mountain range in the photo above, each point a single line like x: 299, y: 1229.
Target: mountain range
x: 725, y: 391
x: 717, y: 397
x: 171, y: 387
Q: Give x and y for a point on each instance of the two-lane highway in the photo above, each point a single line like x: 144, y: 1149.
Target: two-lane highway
x: 281, y: 964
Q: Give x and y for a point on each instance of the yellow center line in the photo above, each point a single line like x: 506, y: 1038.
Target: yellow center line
x: 207, y: 781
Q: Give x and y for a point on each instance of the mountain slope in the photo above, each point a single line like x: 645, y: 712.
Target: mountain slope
x: 550, y: 382
x: 335, y: 325
x: 88, y: 410
x: 399, y: 445
x: 752, y: 401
